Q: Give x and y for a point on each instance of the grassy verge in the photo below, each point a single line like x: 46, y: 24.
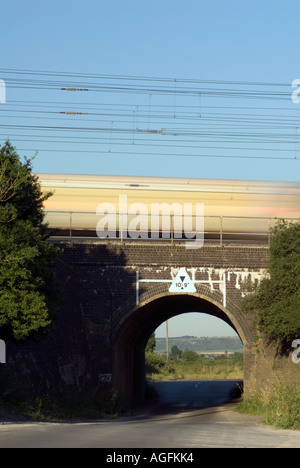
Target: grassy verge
x: 279, y: 407
x: 47, y: 408
x: 184, y: 371
x: 199, y: 368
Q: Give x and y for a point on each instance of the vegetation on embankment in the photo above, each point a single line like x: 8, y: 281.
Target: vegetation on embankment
x: 279, y: 407
x: 274, y: 303
x: 274, y: 306
x: 50, y: 408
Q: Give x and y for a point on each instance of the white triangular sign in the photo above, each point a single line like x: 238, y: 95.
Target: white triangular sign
x: 182, y: 282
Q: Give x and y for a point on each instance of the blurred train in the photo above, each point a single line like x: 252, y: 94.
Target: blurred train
x: 233, y: 209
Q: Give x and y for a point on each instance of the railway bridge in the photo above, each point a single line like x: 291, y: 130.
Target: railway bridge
x: 117, y: 294
x: 118, y: 289
x: 123, y: 292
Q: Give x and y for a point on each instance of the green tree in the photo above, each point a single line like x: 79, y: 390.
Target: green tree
x: 27, y: 298
x: 151, y: 343
x: 153, y: 362
x: 276, y: 302
x: 189, y: 356
x: 176, y: 353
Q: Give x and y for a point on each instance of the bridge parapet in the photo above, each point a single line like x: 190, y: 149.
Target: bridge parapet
x: 219, y: 229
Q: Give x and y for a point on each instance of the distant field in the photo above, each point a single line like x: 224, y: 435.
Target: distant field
x: 201, y: 345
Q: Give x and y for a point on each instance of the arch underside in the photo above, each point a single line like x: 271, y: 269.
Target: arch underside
x: 134, y: 329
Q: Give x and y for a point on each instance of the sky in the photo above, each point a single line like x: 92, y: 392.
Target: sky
x: 204, y: 88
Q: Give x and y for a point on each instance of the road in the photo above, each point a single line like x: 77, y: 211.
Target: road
x: 189, y: 415
x: 194, y: 394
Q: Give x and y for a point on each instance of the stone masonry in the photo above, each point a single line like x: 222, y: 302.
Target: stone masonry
x: 109, y: 311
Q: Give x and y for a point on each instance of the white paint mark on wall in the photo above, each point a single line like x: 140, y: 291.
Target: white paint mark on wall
x: 240, y: 277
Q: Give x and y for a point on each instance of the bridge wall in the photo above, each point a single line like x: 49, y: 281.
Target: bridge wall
x: 98, y: 339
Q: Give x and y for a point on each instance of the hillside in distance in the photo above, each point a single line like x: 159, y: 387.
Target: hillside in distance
x: 201, y: 345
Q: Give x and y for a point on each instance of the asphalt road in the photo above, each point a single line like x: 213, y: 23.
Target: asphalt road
x: 194, y: 394
x: 189, y: 415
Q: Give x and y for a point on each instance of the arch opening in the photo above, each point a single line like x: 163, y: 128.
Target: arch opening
x: 132, y: 335
x: 202, y: 333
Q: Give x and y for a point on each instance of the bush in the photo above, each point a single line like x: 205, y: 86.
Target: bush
x: 189, y: 356
x: 153, y: 362
x: 276, y: 301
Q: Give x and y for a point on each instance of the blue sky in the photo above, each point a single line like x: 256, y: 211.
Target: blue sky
x: 255, y: 41
x: 218, y: 40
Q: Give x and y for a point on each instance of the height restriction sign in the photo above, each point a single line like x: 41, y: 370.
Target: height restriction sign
x: 182, y: 282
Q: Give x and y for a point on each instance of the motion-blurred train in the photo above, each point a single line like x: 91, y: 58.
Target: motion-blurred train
x: 233, y: 209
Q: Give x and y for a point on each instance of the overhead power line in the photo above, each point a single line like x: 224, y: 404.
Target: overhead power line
x: 170, y: 117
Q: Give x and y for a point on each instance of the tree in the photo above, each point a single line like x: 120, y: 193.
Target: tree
x: 153, y: 362
x: 176, y: 353
x: 276, y: 302
x: 189, y: 356
x: 27, y: 297
x: 151, y: 343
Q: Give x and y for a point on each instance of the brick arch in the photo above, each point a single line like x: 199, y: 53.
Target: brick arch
x: 231, y: 314
x: 135, y: 324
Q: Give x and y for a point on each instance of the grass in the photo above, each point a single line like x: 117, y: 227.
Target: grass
x: 278, y: 407
x: 198, y: 368
x: 194, y: 371
x: 47, y: 408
